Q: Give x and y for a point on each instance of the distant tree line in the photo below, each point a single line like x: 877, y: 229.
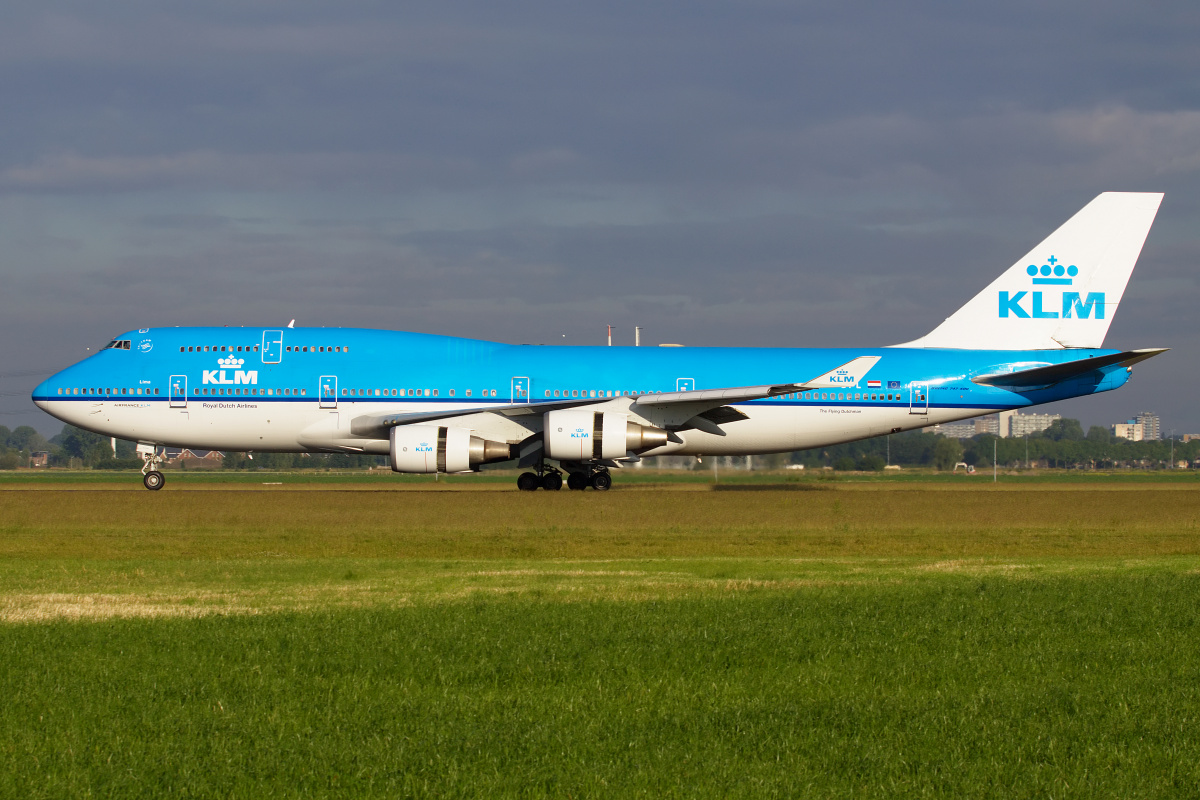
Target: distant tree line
x: 1064, y: 444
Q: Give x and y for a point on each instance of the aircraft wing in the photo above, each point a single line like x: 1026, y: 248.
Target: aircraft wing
x: 846, y: 375
x: 1057, y: 373
x: 697, y: 401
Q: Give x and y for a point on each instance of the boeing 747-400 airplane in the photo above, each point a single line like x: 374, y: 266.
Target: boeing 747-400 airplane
x: 443, y: 404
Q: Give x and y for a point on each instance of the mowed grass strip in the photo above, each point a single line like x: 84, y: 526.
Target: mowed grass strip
x: 902, y: 521
x: 96, y: 590
x: 1062, y: 686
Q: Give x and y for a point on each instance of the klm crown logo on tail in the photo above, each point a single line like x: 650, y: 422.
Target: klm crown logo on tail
x: 1052, y: 273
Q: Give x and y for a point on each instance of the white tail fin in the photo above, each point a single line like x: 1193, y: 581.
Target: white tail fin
x: 1065, y: 291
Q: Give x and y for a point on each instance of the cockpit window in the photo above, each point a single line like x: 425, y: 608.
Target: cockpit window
x: 117, y: 344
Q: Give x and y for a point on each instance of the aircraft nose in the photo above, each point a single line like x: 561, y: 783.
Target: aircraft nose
x: 42, y: 392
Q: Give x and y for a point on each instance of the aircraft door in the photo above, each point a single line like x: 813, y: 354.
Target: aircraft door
x: 919, y: 399
x: 685, y: 384
x: 328, y: 391
x: 178, y: 391
x: 272, y: 347
x: 520, y: 390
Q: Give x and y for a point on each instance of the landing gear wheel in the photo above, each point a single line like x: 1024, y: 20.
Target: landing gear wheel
x: 153, y: 480
x: 528, y: 482
x: 577, y: 481
x: 552, y: 481
x: 601, y: 481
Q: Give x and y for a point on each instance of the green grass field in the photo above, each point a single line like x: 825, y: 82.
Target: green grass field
x: 813, y: 638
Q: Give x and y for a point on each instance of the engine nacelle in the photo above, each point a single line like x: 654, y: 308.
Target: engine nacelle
x: 432, y: 448
x: 578, y: 435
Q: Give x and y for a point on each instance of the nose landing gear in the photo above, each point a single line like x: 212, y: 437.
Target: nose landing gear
x: 152, y: 479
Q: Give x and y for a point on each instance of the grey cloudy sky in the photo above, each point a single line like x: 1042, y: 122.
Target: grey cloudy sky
x: 749, y: 173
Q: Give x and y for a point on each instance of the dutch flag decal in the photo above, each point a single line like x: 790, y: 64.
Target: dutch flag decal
x: 874, y: 384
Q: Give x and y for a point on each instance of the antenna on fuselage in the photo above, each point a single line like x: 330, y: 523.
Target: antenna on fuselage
x: 292, y: 324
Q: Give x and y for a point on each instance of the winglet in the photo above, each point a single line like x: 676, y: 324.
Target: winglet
x: 847, y: 374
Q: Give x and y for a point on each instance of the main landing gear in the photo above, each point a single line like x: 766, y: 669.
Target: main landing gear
x: 551, y: 479
x: 152, y: 479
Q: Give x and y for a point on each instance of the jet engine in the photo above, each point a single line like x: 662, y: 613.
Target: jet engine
x: 575, y: 435
x: 430, y: 448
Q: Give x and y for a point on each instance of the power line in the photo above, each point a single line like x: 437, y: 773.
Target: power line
x: 28, y: 373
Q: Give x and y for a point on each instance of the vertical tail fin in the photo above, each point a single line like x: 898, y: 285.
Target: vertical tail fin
x: 1065, y: 291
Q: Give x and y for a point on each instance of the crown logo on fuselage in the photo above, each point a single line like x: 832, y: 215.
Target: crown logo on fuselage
x: 240, y: 376
x: 1062, y: 275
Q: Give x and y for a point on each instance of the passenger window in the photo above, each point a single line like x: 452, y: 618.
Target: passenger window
x: 468, y: 392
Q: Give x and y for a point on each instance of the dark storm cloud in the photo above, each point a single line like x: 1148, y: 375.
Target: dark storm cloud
x: 720, y: 173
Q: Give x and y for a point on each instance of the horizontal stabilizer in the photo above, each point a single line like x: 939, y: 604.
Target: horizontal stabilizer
x: 1057, y: 373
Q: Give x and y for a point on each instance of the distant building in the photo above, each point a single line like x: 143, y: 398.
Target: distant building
x: 1187, y: 437
x: 1028, y: 424
x: 199, y: 458
x: 1151, y: 430
x: 1004, y: 423
x: 39, y: 459
x: 956, y: 430
x: 1130, y: 429
x: 989, y: 424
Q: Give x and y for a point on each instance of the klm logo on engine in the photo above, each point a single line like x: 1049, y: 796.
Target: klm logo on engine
x: 1038, y: 306
x: 581, y: 433
x: 240, y: 377
x: 424, y: 447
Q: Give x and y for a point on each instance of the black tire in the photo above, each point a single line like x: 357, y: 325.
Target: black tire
x: 552, y: 481
x: 153, y: 480
x: 528, y: 482
x: 601, y: 481
x: 577, y: 481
